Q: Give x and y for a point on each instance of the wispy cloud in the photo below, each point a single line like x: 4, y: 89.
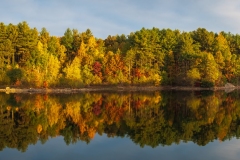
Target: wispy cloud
x: 107, y: 17
x: 228, y: 15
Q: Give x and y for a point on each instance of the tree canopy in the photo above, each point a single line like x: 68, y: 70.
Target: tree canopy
x: 145, y: 57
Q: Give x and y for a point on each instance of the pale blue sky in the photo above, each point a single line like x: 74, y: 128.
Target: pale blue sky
x: 111, y: 17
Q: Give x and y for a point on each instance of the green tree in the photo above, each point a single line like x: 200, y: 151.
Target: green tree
x: 12, y: 33
x: 15, y: 75
x: 26, y: 42
x: 204, y: 38
x: 44, y: 38
x: 56, y: 49
x: 67, y: 41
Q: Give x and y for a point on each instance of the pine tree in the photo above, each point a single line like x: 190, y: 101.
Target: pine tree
x: 26, y: 42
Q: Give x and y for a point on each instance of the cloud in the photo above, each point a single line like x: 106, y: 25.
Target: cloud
x: 107, y: 17
x: 228, y: 14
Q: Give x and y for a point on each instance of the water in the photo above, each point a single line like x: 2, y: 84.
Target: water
x: 117, y: 148
x: 153, y: 125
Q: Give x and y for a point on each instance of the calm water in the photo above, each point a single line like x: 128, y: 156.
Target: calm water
x: 152, y: 125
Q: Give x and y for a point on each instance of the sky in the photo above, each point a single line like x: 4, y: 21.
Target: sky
x: 112, y: 17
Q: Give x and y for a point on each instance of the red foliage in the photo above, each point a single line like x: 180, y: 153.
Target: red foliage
x: 45, y: 84
x: 97, y: 109
x: 17, y: 98
x: 137, y: 104
x: 17, y: 83
x: 97, y: 67
x: 137, y: 73
x: 45, y: 97
x: 114, y: 113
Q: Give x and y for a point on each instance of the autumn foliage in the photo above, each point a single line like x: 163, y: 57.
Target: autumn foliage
x: 33, y: 58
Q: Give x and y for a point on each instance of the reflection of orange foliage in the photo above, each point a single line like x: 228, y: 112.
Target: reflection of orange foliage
x: 72, y: 111
x: 81, y: 124
x: 9, y: 108
x: 114, y: 113
x: 38, y: 103
x: 39, y: 128
x: 53, y: 115
x: 229, y: 100
x: 97, y: 107
x: 230, y: 104
x: 82, y: 127
x: 45, y: 97
x: 216, y: 117
x: 222, y: 133
x: 17, y: 98
x: 219, y: 116
x: 137, y: 104
x: 91, y: 132
x: 224, y: 127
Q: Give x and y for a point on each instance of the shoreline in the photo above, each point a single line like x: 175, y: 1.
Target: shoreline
x: 112, y: 88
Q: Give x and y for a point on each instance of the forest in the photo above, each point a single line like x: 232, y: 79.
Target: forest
x: 152, y: 119
x: 156, y: 57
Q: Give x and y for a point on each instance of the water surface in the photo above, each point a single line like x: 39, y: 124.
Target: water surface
x: 152, y: 125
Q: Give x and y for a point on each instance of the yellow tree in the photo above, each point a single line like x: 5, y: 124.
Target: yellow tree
x: 221, y: 45
x: 53, y: 68
x: 73, y: 73
x: 193, y: 75
x: 223, y: 55
x: 210, y: 70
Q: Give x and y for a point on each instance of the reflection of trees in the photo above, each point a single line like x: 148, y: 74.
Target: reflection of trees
x: 147, y: 119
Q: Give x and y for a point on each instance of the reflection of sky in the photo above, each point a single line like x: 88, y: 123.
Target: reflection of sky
x: 123, y: 148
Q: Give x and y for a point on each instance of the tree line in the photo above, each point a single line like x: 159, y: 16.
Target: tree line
x: 145, y: 57
x: 147, y: 119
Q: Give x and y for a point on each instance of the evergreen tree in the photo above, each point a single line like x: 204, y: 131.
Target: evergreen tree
x: 26, y: 42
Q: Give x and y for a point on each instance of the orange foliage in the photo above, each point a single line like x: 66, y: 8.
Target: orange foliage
x: 38, y: 103
x: 114, y: 113
x: 18, y: 83
x: 17, y: 98
x: 137, y: 104
x: 45, y: 84
x: 91, y: 132
x: 39, y: 128
x: 222, y: 133
x: 82, y: 127
x: 137, y: 73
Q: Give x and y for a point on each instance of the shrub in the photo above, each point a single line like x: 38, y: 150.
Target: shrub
x: 15, y: 75
x: 207, y: 84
